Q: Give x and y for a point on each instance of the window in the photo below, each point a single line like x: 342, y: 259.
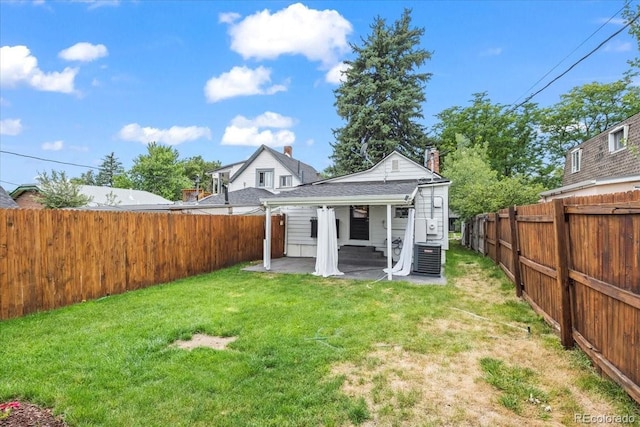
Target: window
x: 264, y: 178
x: 618, y: 138
x: 576, y: 159
x: 402, y: 213
x: 285, y: 181
x: 394, y: 165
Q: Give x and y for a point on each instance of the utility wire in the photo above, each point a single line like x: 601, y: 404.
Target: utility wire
x: 570, y: 53
x: 576, y: 63
x: 49, y: 160
x: 9, y: 182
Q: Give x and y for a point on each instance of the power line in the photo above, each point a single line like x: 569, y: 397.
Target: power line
x: 577, y: 62
x: 9, y: 182
x: 49, y: 160
x: 570, y: 53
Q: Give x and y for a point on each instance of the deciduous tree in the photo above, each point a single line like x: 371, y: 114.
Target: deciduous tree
x: 57, y: 191
x: 160, y: 172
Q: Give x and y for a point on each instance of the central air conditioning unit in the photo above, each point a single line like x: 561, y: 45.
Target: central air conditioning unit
x: 427, y: 259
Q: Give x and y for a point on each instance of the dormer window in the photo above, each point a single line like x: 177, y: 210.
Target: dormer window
x: 286, y: 181
x: 618, y: 138
x: 264, y: 178
x: 576, y: 159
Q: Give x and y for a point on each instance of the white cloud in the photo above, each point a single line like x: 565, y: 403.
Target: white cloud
x: 334, y: 75
x: 18, y: 66
x: 267, y: 119
x: 251, y: 132
x: 10, y: 127
x: 84, y: 52
x: 319, y: 35
x: 94, y: 4
x: 241, y: 81
x: 617, y: 46
x: 310, y: 142
x: 53, y: 146
x: 228, y: 17
x: 4, y: 102
x: 173, y: 136
x: 615, y: 21
x: 494, y: 51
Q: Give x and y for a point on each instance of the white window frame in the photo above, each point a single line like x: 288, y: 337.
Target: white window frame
x: 286, y: 181
x: 621, y: 144
x: 576, y: 160
x: 268, y: 178
x: 395, y: 165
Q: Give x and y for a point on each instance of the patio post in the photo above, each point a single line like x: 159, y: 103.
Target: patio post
x: 389, y: 253
x: 266, y: 254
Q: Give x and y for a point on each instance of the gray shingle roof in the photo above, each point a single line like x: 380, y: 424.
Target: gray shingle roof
x: 348, y: 189
x: 5, y: 200
x: 245, y: 197
x: 305, y: 172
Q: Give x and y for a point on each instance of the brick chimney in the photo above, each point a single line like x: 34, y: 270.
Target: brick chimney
x: 288, y: 151
x: 434, y: 161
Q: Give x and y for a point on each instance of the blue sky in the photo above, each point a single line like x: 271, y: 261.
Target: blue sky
x: 80, y: 79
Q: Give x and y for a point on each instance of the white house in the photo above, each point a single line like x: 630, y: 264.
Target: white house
x: 267, y: 169
x: 371, y: 208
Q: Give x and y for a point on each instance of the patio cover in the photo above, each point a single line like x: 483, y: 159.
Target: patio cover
x: 389, y: 193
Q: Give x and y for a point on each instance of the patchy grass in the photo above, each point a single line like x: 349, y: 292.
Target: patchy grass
x: 309, y: 351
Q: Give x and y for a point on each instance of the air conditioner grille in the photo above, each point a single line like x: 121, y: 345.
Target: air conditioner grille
x: 427, y: 259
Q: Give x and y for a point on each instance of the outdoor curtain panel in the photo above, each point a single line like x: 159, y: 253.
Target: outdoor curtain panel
x: 403, y: 266
x: 327, y: 255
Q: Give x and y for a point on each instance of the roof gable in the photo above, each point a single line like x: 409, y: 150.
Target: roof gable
x: 303, y: 171
x: 383, y: 171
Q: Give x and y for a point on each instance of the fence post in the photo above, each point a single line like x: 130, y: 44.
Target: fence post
x: 515, y: 252
x: 562, y: 273
x: 497, y: 238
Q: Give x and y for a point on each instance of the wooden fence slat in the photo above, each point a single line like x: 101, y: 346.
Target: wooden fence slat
x: 515, y: 250
x: 562, y: 268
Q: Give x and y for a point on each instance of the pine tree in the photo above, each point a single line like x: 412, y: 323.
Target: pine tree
x: 381, y: 98
x: 109, y: 169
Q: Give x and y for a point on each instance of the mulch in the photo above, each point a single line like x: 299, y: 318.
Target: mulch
x: 26, y: 414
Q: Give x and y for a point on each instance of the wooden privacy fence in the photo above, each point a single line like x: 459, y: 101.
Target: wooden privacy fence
x: 576, y: 261
x: 53, y: 258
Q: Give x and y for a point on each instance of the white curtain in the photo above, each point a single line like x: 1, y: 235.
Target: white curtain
x: 403, y: 266
x: 327, y: 250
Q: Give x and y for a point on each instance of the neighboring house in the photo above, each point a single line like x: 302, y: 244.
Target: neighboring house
x: 607, y: 163
x: 366, y: 204
x: 27, y: 196
x: 267, y: 169
x: 245, y: 201
x: 5, y: 200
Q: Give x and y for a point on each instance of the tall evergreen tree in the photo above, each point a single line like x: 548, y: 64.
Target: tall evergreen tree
x: 381, y: 97
x: 109, y: 169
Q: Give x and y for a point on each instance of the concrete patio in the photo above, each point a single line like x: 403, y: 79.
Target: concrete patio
x: 297, y: 265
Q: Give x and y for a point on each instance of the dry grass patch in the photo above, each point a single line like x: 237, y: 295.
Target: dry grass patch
x: 202, y: 340
x: 472, y: 370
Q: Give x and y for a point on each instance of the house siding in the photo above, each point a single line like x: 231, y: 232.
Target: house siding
x: 598, y: 162
x: 407, y: 169
x: 264, y: 160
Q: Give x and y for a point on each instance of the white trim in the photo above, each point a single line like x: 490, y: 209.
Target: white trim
x: 612, y: 141
x: 576, y: 160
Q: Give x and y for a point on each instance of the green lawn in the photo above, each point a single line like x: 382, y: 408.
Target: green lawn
x: 108, y: 362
